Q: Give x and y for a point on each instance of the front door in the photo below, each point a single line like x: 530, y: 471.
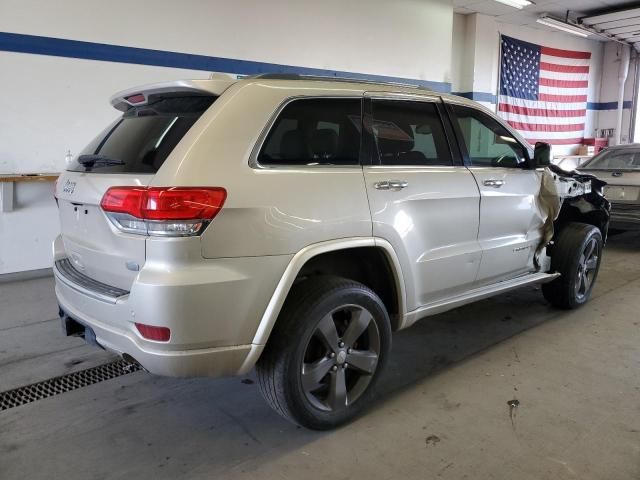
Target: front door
x: 510, y: 219
x: 422, y: 199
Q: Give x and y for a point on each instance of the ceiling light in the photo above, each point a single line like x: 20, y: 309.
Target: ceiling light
x: 564, y: 26
x: 515, y: 3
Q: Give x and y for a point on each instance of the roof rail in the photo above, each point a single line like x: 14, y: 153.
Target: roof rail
x: 297, y: 76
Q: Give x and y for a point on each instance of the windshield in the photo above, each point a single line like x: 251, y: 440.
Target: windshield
x: 142, y: 139
x: 618, y: 159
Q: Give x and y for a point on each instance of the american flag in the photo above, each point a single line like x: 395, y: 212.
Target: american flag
x: 543, y: 91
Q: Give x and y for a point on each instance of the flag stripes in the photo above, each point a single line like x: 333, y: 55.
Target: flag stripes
x: 543, y: 91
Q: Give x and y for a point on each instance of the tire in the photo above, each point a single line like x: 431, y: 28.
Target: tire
x: 319, y: 314
x: 576, y: 256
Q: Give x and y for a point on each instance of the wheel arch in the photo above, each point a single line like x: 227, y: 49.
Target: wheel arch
x: 582, y: 210
x: 307, y: 260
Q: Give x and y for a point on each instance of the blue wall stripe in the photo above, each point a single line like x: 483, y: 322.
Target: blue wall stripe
x: 20, y: 43
x: 491, y: 98
x: 15, y: 42
x: 608, y: 105
x: 478, y: 96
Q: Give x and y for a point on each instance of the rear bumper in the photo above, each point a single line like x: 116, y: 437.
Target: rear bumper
x: 217, y: 362
x: 625, y: 216
x: 212, y: 307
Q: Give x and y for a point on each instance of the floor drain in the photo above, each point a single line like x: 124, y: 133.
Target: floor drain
x: 65, y: 383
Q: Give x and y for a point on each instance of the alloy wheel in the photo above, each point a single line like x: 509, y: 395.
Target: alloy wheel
x: 340, y: 358
x: 587, y: 266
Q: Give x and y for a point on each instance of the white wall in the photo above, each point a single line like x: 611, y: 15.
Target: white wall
x: 462, y: 53
x: 474, y: 57
x: 67, y: 98
x: 27, y: 232
x: 51, y: 104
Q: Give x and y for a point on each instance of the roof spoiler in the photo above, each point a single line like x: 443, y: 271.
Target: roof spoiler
x: 136, y: 96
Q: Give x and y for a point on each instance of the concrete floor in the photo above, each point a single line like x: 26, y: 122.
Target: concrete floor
x: 441, y: 413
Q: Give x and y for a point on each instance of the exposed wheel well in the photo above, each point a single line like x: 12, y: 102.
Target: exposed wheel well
x: 581, y: 211
x: 367, y: 265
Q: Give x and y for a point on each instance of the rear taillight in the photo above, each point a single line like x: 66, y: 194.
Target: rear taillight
x: 163, y: 211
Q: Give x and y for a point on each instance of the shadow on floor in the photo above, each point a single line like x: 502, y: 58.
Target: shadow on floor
x: 442, y: 340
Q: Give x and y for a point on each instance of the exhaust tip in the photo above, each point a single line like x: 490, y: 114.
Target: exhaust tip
x: 132, y: 361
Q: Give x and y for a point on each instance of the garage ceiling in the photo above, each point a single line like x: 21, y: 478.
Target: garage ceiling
x: 619, y: 25
x: 579, y: 11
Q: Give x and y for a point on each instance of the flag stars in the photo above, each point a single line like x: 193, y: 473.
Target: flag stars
x: 520, y: 69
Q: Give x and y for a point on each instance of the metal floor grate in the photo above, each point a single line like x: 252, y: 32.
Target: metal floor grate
x: 65, y: 383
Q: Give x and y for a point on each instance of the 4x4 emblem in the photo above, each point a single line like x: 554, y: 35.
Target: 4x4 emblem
x: 69, y: 186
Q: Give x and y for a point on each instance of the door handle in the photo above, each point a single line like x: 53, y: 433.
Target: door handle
x: 391, y: 185
x: 493, y: 183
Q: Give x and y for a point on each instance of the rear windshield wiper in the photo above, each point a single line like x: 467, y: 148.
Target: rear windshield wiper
x: 93, y: 160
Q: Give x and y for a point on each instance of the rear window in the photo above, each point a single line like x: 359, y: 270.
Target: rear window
x: 317, y: 131
x: 622, y: 159
x: 142, y: 139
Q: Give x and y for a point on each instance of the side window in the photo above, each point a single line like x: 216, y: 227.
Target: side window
x: 315, y: 131
x: 489, y: 144
x: 409, y: 133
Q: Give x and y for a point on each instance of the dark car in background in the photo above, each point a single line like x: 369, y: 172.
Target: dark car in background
x: 619, y: 166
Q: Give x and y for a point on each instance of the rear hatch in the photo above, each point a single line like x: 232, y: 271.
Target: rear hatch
x: 623, y: 186
x: 126, y: 154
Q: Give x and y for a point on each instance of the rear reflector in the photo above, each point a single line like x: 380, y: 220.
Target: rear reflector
x: 167, y: 211
x: 158, y: 334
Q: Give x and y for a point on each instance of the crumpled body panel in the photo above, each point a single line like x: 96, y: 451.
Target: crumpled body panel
x: 569, y: 197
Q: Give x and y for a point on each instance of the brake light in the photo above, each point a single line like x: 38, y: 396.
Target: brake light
x: 135, y: 99
x: 158, y: 334
x: 165, y: 211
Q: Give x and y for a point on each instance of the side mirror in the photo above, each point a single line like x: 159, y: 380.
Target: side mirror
x: 424, y: 129
x: 542, y: 154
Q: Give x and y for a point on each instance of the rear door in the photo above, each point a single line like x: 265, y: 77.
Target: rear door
x: 422, y: 199
x: 127, y: 153
x: 510, y: 220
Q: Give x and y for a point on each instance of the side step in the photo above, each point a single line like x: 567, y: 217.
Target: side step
x: 487, y: 291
